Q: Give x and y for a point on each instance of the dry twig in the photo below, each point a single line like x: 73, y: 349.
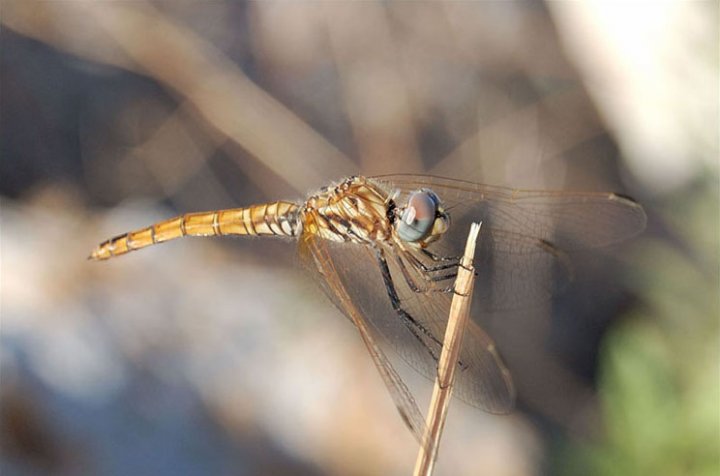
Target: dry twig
x: 459, y: 311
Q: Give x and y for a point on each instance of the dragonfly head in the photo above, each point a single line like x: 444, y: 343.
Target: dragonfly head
x: 422, y: 220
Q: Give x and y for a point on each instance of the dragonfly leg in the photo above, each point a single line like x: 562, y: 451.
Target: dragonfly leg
x: 444, y: 263
x: 412, y: 324
x: 415, y: 261
x: 436, y: 258
x: 420, y: 332
x: 429, y: 280
x: 455, y: 262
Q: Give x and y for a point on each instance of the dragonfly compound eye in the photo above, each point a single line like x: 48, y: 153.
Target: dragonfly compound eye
x: 418, y: 217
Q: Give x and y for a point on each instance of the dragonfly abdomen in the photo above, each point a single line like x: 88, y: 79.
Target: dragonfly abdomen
x: 276, y: 218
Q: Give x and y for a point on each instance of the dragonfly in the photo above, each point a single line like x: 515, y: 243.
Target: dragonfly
x: 386, y: 250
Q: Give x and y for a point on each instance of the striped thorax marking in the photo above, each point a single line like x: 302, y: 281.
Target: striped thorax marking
x: 352, y: 211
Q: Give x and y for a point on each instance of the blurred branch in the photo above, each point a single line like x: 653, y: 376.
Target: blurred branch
x: 539, y: 133
x: 173, y: 154
x: 135, y: 36
x: 374, y: 90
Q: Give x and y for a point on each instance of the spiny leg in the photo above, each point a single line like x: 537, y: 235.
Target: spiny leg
x: 454, y: 260
x: 432, y: 269
x: 408, y: 254
x: 444, y: 263
x: 413, y: 325
x: 438, y: 258
x: 429, y: 280
x: 417, y: 329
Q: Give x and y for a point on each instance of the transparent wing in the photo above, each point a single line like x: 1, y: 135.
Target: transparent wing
x: 481, y: 379
x: 567, y: 220
x: 316, y: 257
x: 521, y: 258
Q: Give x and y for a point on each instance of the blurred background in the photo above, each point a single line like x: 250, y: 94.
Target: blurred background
x: 218, y: 357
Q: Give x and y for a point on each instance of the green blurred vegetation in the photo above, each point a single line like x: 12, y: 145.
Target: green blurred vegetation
x: 660, y: 376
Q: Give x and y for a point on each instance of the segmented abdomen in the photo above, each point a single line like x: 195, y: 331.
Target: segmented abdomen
x: 277, y: 218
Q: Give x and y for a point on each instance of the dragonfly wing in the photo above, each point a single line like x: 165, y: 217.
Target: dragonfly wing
x: 567, y: 220
x: 317, y: 257
x: 513, y: 271
x: 482, y: 380
x: 357, y: 288
x: 521, y: 258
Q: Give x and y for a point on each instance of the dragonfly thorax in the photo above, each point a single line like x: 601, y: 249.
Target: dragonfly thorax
x: 352, y: 211
x: 357, y: 210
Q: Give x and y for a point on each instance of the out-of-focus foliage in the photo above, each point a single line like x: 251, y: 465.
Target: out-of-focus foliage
x: 660, y: 369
